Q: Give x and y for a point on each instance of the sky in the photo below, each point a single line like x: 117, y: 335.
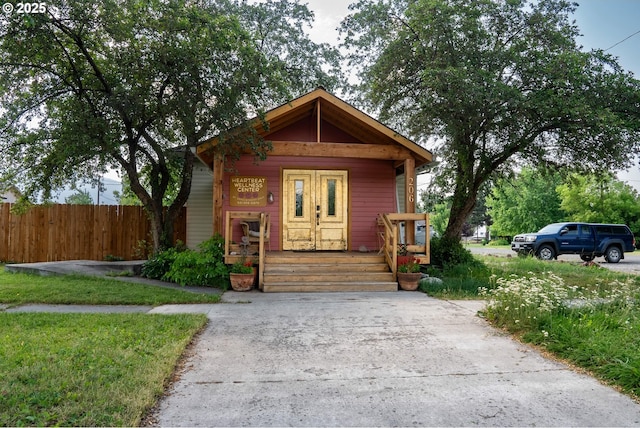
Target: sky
x: 602, y: 23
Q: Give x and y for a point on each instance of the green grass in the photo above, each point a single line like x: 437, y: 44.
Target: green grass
x: 21, y: 288
x: 87, y: 369
x: 463, y: 281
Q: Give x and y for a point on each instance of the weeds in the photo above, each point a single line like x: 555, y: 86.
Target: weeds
x: 595, y: 326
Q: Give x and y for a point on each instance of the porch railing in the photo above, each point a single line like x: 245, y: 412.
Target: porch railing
x: 234, y: 252
x: 391, y: 223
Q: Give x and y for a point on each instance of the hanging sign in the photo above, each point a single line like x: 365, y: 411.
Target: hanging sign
x: 248, y: 191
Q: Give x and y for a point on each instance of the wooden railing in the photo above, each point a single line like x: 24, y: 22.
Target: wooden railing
x: 392, y: 240
x: 234, y: 252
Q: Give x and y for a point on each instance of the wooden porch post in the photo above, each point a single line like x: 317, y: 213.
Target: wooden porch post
x: 410, y: 198
x: 218, y: 176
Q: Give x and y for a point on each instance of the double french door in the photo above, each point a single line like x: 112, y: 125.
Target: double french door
x: 314, y: 209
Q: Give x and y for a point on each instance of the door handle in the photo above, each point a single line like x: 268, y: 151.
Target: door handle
x: 317, y: 215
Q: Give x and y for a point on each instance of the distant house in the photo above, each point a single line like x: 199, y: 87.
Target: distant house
x: 9, y: 194
x: 332, y: 172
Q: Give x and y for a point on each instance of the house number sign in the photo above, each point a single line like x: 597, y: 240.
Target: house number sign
x: 248, y: 191
x: 412, y: 190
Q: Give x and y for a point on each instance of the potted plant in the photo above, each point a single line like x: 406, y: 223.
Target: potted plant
x: 408, y: 273
x: 242, y: 275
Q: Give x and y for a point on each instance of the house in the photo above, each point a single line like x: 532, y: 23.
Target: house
x: 328, y: 188
x: 9, y: 194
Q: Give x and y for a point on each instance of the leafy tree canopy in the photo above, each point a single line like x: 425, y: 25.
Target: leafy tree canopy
x: 501, y: 83
x: 131, y: 85
x: 81, y: 197
x: 525, y: 203
x: 600, y: 199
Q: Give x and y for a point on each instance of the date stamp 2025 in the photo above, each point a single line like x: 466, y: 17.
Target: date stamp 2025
x: 24, y: 8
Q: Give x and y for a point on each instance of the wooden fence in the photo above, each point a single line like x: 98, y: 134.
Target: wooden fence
x: 76, y: 232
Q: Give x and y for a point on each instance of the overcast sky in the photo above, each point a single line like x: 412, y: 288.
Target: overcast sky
x: 604, y: 24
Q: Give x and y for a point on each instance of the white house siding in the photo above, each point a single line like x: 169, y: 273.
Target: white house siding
x: 200, y: 206
x: 8, y: 196
x: 400, y: 192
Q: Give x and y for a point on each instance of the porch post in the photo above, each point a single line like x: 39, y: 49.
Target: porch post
x: 410, y: 198
x: 218, y: 176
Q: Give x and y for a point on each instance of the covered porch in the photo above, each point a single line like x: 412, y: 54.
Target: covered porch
x: 296, y: 271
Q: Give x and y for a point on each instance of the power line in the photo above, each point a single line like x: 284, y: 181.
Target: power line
x: 623, y: 40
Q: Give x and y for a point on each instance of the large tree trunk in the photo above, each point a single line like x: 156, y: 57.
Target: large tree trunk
x: 465, y: 193
x: 163, y: 219
x: 461, y: 209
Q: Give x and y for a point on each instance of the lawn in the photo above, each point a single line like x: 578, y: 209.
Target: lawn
x: 87, y: 369
x: 21, y: 288
x: 587, y: 316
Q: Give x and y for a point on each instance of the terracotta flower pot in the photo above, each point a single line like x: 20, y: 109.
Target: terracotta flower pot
x: 241, y: 281
x: 409, y: 280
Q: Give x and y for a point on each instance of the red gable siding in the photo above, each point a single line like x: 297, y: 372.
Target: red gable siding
x: 305, y: 130
x: 371, y: 191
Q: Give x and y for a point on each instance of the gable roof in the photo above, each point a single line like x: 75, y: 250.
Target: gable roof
x: 324, y: 106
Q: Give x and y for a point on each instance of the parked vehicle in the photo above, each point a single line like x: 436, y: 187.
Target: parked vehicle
x: 589, y: 240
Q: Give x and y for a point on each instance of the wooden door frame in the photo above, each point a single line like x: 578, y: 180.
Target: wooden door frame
x: 318, y: 168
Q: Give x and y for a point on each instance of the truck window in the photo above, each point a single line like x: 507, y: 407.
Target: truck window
x: 585, y: 230
x: 571, y: 230
x: 620, y: 230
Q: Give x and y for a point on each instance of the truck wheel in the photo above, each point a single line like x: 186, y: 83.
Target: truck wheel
x: 613, y: 254
x: 586, y: 257
x: 546, y: 252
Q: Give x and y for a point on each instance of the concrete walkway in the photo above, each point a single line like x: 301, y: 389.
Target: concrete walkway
x: 373, y: 359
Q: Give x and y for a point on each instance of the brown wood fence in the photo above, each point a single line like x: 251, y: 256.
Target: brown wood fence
x: 76, y: 232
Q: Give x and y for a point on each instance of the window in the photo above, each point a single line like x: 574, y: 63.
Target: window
x: 331, y: 197
x: 299, y: 188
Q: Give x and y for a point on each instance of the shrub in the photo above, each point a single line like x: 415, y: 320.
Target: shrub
x: 157, y: 266
x: 204, y: 267
x: 447, y: 251
x: 213, y: 247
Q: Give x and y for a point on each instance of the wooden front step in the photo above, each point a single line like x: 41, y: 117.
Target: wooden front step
x: 326, y: 271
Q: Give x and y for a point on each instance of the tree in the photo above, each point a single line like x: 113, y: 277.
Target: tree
x: 136, y: 85
x: 525, y: 203
x: 600, y: 199
x: 501, y: 83
x: 81, y: 197
x: 438, y: 217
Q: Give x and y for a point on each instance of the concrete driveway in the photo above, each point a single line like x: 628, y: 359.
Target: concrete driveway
x: 373, y: 359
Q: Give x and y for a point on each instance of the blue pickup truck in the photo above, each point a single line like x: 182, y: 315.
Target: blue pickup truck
x: 586, y: 239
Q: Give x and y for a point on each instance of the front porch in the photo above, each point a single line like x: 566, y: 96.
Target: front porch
x: 318, y: 271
